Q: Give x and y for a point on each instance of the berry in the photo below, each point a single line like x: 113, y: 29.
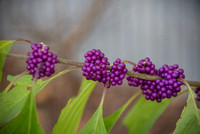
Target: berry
x: 197, y: 91
x: 41, y: 58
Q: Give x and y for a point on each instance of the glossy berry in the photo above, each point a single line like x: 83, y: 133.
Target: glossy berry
x: 197, y: 91
x: 40, y: 58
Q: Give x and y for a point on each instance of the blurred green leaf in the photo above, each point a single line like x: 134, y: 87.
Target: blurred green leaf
x: 25, y: 80
x: 4, y: 49
x: 111, y: 120
x: 143, y: 115
x: 71, y: 114
x: 84, y: 83
x: 96, y: 123
x: 12, y: 103
x: 189, y: 123
x: 14, y: 100
x: 26, y: 122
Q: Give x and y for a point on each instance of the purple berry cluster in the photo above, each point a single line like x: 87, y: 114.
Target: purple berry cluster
x: 171, y: 72
x: 41, y: 58
x: 157, y: 90
x: 143, y: 66
x: 96, y: 69
x: 170, y: 85
x: 117, y: 73
x: 197, y: 91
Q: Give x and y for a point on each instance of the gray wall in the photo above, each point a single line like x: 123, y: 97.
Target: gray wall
x: 165, y: 30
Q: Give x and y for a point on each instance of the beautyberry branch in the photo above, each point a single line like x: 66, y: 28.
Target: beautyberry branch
x: 80, y: 64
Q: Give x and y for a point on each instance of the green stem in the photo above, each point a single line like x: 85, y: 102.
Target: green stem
x: 104, y: 94
x: 63, y: 72
x: 129, y: 62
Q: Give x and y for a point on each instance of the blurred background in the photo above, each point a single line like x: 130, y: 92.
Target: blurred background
x: 167, y: 31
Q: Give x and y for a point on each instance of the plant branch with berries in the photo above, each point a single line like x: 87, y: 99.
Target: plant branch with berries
x: 80, y: 64
x: 158, y: 86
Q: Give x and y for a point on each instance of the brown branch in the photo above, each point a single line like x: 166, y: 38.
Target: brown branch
x: 193, y: 83
x: 23, y: 40
x: 70, y: 62
x: 80, y: 64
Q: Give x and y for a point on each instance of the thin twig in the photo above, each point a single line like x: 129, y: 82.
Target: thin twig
x: 129, y: 62
x: 70, y: 62
x: 80, y: 64
x: 23, y: 40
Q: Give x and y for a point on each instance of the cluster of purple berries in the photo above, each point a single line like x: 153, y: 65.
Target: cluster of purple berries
x: 40, y: 58
x: 169, y: 85
x: 197, y: 91
x: 157, y: 90
x: 96, y: 69
x: 143, y: 66
x: 117, y: 73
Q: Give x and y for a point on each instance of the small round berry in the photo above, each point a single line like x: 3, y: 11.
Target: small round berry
x: 197, y: 91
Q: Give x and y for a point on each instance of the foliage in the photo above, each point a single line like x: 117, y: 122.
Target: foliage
x: 71, y: 114
x: 27, y: 121
x: 19, y: 112
x: 189, y: 123
x: 96, y: 124
x: 4, y: 49
x: 111, y: 120
x: 143, y: 115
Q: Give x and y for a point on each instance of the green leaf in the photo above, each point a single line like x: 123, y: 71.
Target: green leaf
x: 143, y: 115
x: 111, y: 120
x: 96, y: 123
x: 84, y: 83
x: 14, y: 100
x: 71, y: 114
x: 4, y: 49
x: 25, y: 80
x: 189, y: 123
x: 27, y: 121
